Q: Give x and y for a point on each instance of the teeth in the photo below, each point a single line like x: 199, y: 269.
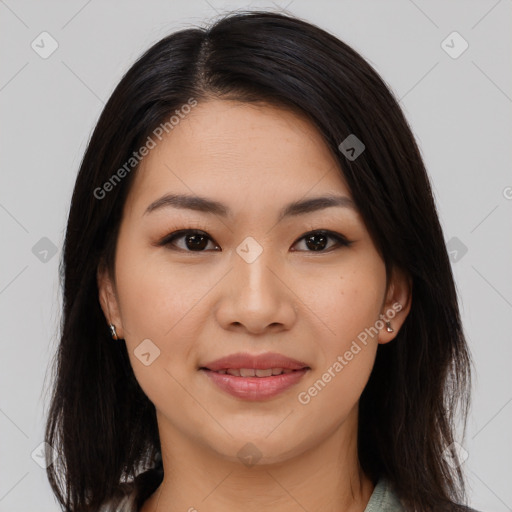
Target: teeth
x: 251, y: 372
x: 264, y: 373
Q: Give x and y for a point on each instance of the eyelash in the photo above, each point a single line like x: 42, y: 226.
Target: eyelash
x: 341, y: 241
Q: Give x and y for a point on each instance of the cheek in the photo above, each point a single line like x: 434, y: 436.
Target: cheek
x: 349, y: 305
x: 158, y: 305
x: 348, y: 300
x: 335, y: 391
x: 350, y: 309
x: 154, y: 297
x: 162, y: 303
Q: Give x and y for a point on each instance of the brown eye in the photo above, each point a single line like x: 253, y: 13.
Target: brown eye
x: 197, y: 241
x: 193, y: 241
x: 317, y: 241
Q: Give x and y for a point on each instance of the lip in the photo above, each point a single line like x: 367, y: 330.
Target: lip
x: 255, y: 388
x: 256, y: 361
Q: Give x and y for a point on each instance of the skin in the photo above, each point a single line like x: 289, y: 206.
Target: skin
x: 200, y: 306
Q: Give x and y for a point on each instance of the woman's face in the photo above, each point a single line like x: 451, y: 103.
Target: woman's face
x: 249, y: 283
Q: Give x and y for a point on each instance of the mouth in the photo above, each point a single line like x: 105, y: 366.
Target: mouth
x: 253, y: 372
x: 255, y: 377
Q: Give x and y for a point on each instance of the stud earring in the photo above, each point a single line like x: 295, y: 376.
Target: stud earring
x: 113, y: 331
x: 388, y: 327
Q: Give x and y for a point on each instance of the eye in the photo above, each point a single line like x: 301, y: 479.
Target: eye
x: 317, y: 241
x: 194, y: 240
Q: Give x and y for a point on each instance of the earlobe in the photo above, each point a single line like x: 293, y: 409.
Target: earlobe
x: 108, y: 299
x: 397, y: 305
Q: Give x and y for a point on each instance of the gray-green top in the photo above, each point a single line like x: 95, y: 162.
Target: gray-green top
x: 384, y: 499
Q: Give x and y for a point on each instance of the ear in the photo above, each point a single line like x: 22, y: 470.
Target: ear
x: 397, y: 304
x: 108, y: 299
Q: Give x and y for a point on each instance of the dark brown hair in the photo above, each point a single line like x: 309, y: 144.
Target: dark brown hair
x: 100, y: 420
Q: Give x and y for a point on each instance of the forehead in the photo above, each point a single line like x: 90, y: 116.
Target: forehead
x: 238, y: 152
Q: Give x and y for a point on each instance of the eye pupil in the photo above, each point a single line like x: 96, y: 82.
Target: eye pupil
x: 196, y: 241
x: 316, y: 245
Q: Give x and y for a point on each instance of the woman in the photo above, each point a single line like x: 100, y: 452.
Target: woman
x: 254, y: 227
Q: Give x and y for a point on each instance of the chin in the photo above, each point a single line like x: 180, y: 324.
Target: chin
x: 261, y: 449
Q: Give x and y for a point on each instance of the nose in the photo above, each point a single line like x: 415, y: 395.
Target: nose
x: 255, y: 296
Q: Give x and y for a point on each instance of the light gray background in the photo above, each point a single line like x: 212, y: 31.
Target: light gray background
x: 460, y: 110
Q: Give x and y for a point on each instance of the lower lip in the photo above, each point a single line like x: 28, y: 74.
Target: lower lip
x: 255, y: 388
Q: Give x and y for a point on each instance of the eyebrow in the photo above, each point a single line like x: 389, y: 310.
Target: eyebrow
x: 205, y: 205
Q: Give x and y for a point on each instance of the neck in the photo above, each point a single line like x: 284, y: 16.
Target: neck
x: 326, y: 477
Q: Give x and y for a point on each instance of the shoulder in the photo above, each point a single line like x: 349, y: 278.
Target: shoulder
x: 384, y: 498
